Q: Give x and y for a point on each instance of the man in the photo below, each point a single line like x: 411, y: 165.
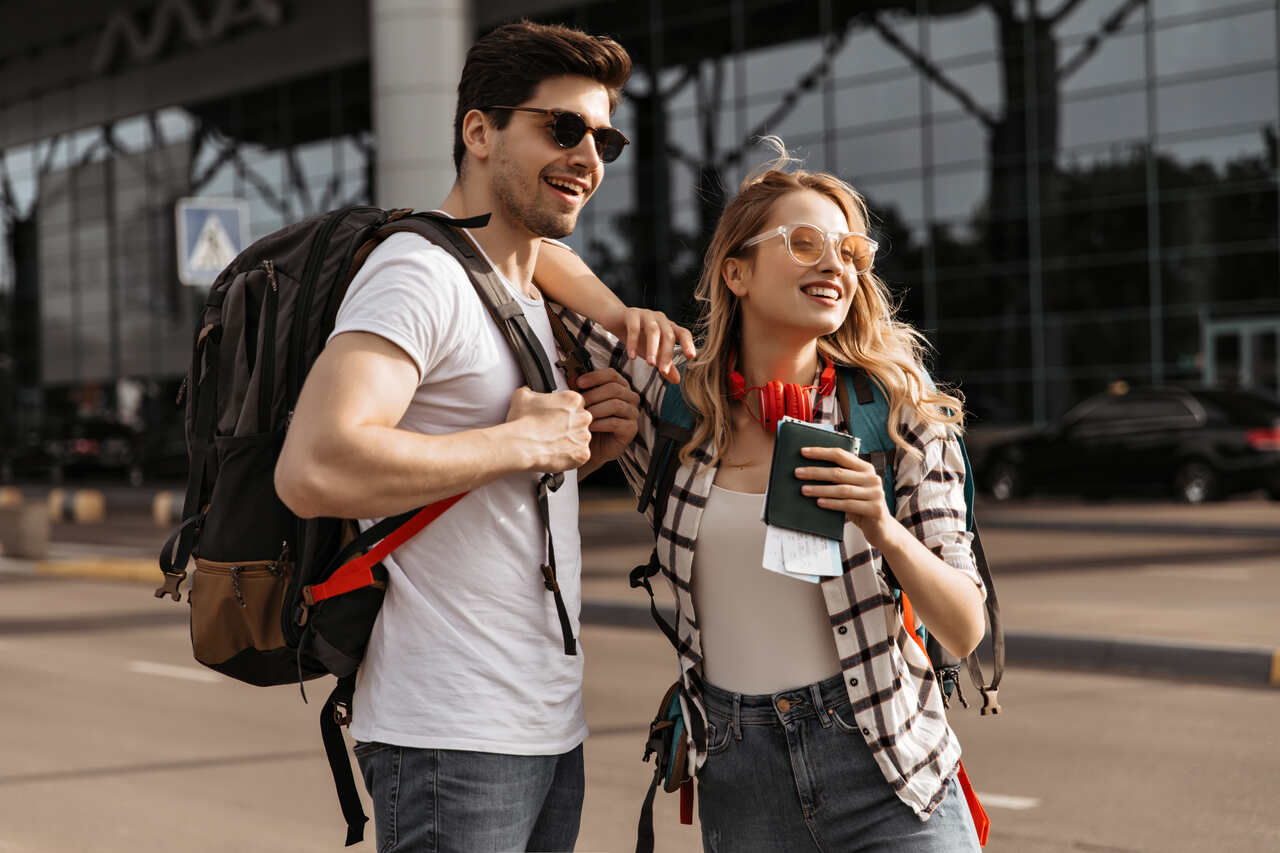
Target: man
x: 467, y: 711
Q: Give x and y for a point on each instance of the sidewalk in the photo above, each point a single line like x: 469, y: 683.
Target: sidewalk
x: 1155, y: 589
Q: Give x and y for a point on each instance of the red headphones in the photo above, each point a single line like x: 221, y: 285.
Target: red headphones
x: 783, y: 399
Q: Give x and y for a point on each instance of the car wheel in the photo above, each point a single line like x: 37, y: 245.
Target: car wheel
x: 1004, y: 481
x: 1196, y: 482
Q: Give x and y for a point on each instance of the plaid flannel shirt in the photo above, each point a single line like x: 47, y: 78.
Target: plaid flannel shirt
x: 891, y: 685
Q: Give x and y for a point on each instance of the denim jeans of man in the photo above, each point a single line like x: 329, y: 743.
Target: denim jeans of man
x: 791, y: 771
x: 452, y: 801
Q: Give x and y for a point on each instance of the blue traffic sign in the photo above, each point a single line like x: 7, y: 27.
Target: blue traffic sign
x: 211, y: 232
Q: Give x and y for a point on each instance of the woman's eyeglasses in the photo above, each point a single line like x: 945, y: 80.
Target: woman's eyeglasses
x: 807, y: 243
x: 568, y: 128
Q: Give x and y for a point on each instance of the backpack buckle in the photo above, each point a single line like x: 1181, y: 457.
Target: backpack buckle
x: 171, y: 584
x: 549, y: 578
x: 990, y: 701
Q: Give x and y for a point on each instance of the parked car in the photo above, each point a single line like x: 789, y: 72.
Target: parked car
x: 1201, y: 444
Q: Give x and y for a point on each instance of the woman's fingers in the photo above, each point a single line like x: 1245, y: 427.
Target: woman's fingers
x: 843, y: 491
x: 653, y: 335
x: 838, y: 455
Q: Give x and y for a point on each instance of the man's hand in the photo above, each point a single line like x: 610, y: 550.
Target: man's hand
x: 553, y: 430
x: 654, y: 335
x: 615, y: 415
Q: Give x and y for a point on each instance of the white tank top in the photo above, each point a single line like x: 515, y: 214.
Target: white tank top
x: 761, y: 632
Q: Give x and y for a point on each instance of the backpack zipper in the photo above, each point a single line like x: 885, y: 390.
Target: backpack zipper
x: 302, y: 308
x: 267, y: 358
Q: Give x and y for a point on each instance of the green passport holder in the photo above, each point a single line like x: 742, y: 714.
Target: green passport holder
x: 784, y: 505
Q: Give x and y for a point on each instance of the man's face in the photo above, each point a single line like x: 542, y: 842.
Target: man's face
x: 539, y: 185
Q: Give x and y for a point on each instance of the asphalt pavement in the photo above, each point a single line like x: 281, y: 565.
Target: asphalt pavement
x: 1146, y: 588
x: 114, y: 740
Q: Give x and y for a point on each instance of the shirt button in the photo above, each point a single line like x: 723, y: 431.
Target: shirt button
x: 843, y: 629
x: 853, y: 682
x: 867, y: 732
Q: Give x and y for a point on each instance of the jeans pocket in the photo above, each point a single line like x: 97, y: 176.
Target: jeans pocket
x: 842, y: 716
x: 380, y: 767
x: 363, y: 749
x: 719, y: 734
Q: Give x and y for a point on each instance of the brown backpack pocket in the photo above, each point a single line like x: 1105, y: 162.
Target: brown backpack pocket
x: 235, y: 610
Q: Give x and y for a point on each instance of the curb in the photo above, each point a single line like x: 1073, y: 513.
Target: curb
x: 1206, y: 663
x: 118, y: 569
x: 1203, y: 662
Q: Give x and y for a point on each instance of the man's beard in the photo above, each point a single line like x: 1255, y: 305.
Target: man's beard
x: 524, y: 209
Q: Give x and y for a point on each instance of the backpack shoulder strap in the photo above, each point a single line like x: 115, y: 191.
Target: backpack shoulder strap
x: 507, y: 313
x: 675, y: 428
x: 866, y: 411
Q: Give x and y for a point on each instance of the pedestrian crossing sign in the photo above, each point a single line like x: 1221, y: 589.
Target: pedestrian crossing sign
x: 211, y: 232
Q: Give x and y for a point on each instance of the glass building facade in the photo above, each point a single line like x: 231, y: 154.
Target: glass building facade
x: 1068, y: 193
x: 98, y: 322
x: 1071, y: 193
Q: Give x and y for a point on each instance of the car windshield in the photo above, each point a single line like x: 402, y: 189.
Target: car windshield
x: 1244, y: 405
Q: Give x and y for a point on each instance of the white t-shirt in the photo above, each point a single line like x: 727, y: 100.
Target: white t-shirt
x: 467, y: 651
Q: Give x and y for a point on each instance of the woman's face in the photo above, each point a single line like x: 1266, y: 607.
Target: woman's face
x: 779, y: 294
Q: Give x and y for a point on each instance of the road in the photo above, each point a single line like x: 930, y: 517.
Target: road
x: 112, y: 739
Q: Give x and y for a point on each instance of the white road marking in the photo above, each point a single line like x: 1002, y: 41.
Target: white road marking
x: 190, y: 673
x: 1005, y: 801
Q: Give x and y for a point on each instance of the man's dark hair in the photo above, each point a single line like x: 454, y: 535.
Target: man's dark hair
x: 507, y: 64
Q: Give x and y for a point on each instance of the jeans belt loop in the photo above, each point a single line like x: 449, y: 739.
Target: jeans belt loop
x: 737, y: 716
x: 815, y: 693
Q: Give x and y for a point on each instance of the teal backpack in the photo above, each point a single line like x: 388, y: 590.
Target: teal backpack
x: 869, y: 421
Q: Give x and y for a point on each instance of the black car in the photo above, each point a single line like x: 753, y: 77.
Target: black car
x: 85, y: 447
x: 1202, y: 444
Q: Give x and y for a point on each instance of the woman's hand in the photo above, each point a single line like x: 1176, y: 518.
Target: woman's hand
x: 851, y: 487
x: 654, y: 335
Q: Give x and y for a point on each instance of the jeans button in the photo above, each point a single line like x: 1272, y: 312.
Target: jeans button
x: 784, y: 705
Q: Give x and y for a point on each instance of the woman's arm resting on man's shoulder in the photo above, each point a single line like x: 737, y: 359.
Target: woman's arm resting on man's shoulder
x: 563, y: 276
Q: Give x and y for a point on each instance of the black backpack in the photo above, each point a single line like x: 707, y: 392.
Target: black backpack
x: 276, y: 599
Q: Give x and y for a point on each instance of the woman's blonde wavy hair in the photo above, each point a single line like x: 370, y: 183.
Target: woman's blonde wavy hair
x: 889, y: 350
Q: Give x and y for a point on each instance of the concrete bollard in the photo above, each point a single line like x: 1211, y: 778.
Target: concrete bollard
x: 166, y: 508
x: 56, y: 502
x: 10, y: 496
x: 24, y: 531
x: 88, y: 506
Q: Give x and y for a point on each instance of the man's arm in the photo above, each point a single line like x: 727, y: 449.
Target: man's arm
x: 345, y: 457
x: 563, y: 276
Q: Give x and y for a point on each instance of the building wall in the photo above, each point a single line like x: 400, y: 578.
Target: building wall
x: 1063, y: 201
x: 110, y: 113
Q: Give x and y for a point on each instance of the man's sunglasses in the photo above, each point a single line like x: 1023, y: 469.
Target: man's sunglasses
x: 567, y: 129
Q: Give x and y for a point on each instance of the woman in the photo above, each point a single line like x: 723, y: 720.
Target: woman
x: 825, y: 727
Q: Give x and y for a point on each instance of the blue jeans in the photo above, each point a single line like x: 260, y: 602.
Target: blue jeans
x: 444, y: 800
x: 804, y: 779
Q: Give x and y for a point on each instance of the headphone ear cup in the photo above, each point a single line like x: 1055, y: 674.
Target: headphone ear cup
x: 773, y: 404
x: 792, y: 399
x: 804, y: 410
